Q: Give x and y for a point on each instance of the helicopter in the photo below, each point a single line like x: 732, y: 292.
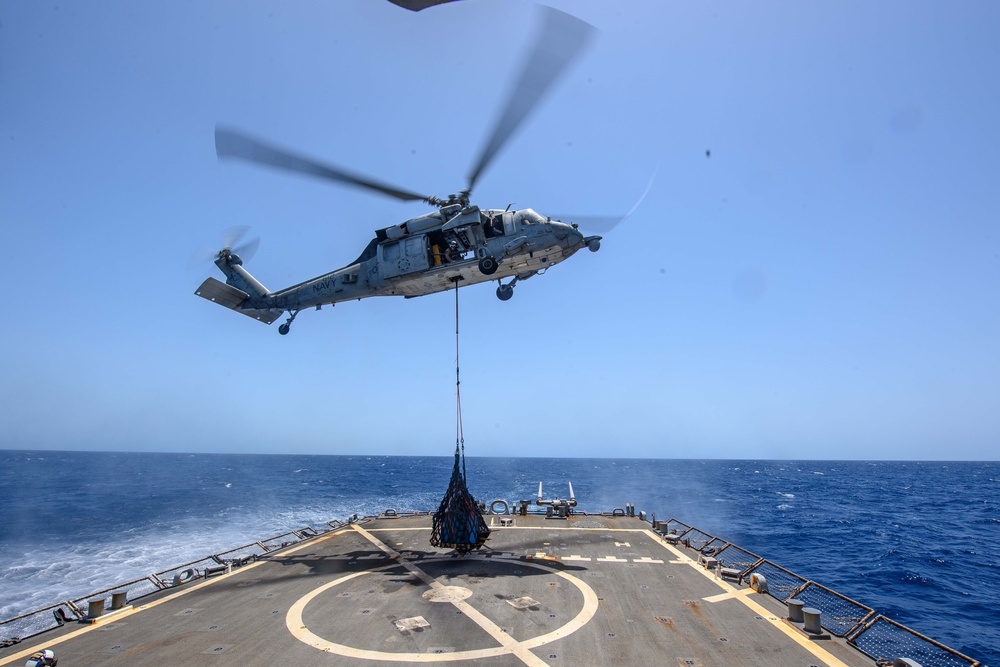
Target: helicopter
x: 456, y: 243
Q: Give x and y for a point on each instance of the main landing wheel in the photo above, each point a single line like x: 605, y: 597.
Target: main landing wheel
x: 488, y: 265
x: 284, y: 328
x: 504, y: 292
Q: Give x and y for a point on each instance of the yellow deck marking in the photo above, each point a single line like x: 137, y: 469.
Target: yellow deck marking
x: 136, y: 609
x: 727, y: 596
x: 647, y: 559
x: 734, y: 593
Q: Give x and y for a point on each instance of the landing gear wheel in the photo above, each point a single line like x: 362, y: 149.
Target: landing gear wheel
x: 488, y: 265
x: 505, y: 292
x: 284, y: 328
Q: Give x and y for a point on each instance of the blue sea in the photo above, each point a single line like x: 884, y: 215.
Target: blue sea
x: 918, y: 541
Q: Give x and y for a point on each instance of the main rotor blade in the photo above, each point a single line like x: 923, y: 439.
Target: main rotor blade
x: 605, y: 223
x: 560, y: 40
x: 235, y: 144
x: 597, y: 224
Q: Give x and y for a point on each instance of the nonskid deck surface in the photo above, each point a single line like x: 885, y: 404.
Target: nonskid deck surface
x: 590, y: 590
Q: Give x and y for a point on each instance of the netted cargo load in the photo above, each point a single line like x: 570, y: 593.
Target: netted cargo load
x: 458, y: 523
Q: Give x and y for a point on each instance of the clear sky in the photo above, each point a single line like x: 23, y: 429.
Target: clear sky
x: 825, y: 285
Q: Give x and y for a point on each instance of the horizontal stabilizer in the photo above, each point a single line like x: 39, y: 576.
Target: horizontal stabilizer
x: 231, y: 297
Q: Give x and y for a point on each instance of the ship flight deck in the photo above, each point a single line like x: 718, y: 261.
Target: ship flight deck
x: 586, y: 590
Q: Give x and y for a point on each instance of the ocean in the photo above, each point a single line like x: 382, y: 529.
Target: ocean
x: 918, y: 541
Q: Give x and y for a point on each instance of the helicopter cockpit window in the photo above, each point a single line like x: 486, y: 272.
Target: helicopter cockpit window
x: 532, y: 217
x: 494, y: 227
x: 509, y: 225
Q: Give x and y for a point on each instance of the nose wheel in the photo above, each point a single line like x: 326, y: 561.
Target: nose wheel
x: 505, y: 292
x: 287, y: 325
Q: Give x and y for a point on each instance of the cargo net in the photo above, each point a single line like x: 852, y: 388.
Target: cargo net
x: 885, y: 640
x: 458, y: 523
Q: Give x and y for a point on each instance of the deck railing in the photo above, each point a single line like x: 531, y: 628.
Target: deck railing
x: 28, y: 624
x: 878, y: 637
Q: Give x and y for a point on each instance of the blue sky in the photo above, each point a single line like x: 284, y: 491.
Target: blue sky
x: 825, y: 285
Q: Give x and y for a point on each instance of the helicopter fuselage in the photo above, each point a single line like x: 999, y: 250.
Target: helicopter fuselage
x: 424, y: 255
x: 456, y: 244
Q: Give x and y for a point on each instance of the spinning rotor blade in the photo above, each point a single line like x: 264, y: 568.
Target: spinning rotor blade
x: 560, y: 41
x: 605, y: 223
x: 233, y: 235
x: 417, y: 5
x: 234, y: 240
x: 598, y: 224
x: 231, y: 143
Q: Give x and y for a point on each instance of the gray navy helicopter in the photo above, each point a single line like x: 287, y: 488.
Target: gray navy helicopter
x: 457, y: 243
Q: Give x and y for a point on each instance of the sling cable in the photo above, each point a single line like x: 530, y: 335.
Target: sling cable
x: 458, y: 523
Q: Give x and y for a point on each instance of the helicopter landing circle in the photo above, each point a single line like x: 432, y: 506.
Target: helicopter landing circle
x: 464, y: 600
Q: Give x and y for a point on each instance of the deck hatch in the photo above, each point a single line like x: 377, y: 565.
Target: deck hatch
x: 412, y: 624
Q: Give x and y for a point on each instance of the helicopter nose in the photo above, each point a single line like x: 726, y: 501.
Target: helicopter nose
x: 574, y: 236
